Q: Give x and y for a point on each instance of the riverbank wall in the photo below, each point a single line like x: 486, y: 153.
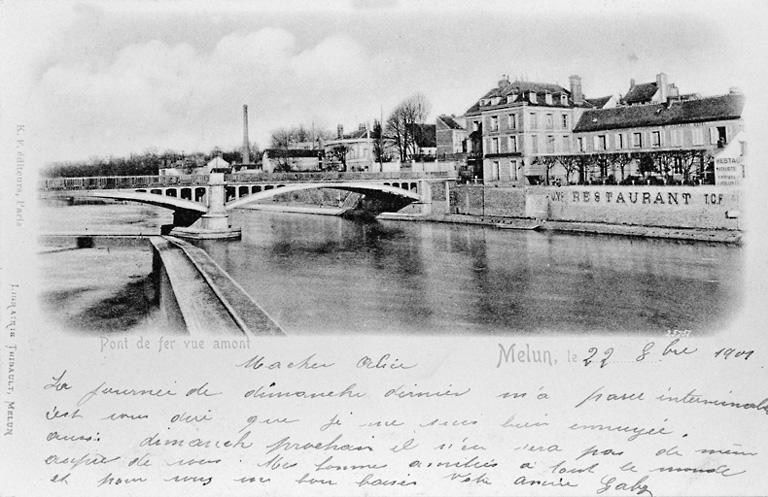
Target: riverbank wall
x: 703, y: 213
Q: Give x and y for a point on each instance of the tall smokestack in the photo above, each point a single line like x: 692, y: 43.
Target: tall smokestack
x: 246, y: 142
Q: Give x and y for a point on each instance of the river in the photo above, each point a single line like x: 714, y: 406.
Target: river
x: 319, y: 274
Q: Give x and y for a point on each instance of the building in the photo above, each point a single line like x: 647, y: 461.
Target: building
x: 674, y: 140
x: 517, y: 123
x: 215, y: 165
x: 291, y: 159
x: 450, y: 136
x: 655, y: 92
x: 350, y: 152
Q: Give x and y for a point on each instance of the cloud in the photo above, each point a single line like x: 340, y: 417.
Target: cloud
x: 159, y: 95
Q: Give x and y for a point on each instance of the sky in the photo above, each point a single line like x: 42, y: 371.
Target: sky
x: 113, y: 78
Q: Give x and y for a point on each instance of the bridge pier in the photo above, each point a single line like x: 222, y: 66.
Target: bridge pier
x: 214, y: 224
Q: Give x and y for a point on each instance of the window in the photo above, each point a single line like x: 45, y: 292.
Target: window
x: 494, y: 123
x: 513, y: 144
x: 532, y: 97
x: 697, y: 136
x: 548, y: 121
x: 532, y: 121
x: 513, y: 169
x: 619, y: 141
x: 600, y: 142
x: 495, y: 171
x: 637, y: 140
x: 656, y: 139
x: 534, y: 144
x: 494, y: 145
x: 566, y: 143
x: 548, y: 98
x: 717, y: 136
x: 563, y: 99
x: 565, y: 121
x: 550, y: 144
x: 580, y: 142
x: 512, y: 121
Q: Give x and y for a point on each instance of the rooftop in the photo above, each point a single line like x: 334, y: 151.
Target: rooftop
x: 690, y: 111
x: 450, y: 122
x: 640, y: 93
x: 597, y: 102
x: 520, y: 92
x: 291, y: 152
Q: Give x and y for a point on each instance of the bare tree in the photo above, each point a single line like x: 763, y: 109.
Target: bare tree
x: 571, y: 165
x: 339, y: 152
x: 403, y: 124
x: 622, y: 161
x: 549, y: 162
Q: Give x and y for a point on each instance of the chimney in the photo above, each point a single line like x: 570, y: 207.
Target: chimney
x: 631, y: 83
x: 661, y: 84
x: 576, y: 95
x: 339, y: 131
x: 246, y: 142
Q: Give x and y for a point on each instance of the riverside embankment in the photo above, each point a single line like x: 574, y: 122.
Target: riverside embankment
x: 701, y: 213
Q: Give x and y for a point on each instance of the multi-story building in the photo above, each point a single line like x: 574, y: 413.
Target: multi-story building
x: 661, y: 137
x: 515, y: 124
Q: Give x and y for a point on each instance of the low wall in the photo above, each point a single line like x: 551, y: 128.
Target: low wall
x: 684, y: 207
x: 709, y: 207
x: 472, y: 200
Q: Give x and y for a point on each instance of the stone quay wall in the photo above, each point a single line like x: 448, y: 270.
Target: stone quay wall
x: 489, y: 201
x: 706, y: 207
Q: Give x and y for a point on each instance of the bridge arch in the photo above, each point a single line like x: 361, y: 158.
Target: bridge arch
x: 374, y: 190
x: 185, y: 212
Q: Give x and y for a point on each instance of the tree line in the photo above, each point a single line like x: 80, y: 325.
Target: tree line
x: 148, y: 163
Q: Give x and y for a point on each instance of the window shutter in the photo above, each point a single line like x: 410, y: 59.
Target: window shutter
x: 713, y: 135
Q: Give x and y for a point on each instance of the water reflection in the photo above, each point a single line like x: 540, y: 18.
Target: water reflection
x: 321, y: 274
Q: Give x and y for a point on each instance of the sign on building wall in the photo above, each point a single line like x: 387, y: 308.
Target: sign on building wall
x: 729, y: 163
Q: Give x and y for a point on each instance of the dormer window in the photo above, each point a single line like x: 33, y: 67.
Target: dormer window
x: 484, y: 101
x: 532, y: 97
x: 548, y: 98
x: 511, y: 98
x: 495, y: 100
x: 563, y: 99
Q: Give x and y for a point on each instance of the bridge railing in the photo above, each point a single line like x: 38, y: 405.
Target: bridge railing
x: 117, y: 182
x: 330, y: 176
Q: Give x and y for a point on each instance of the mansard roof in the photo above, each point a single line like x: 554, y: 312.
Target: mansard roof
x: 523, y: 90
x: 690, y: 111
